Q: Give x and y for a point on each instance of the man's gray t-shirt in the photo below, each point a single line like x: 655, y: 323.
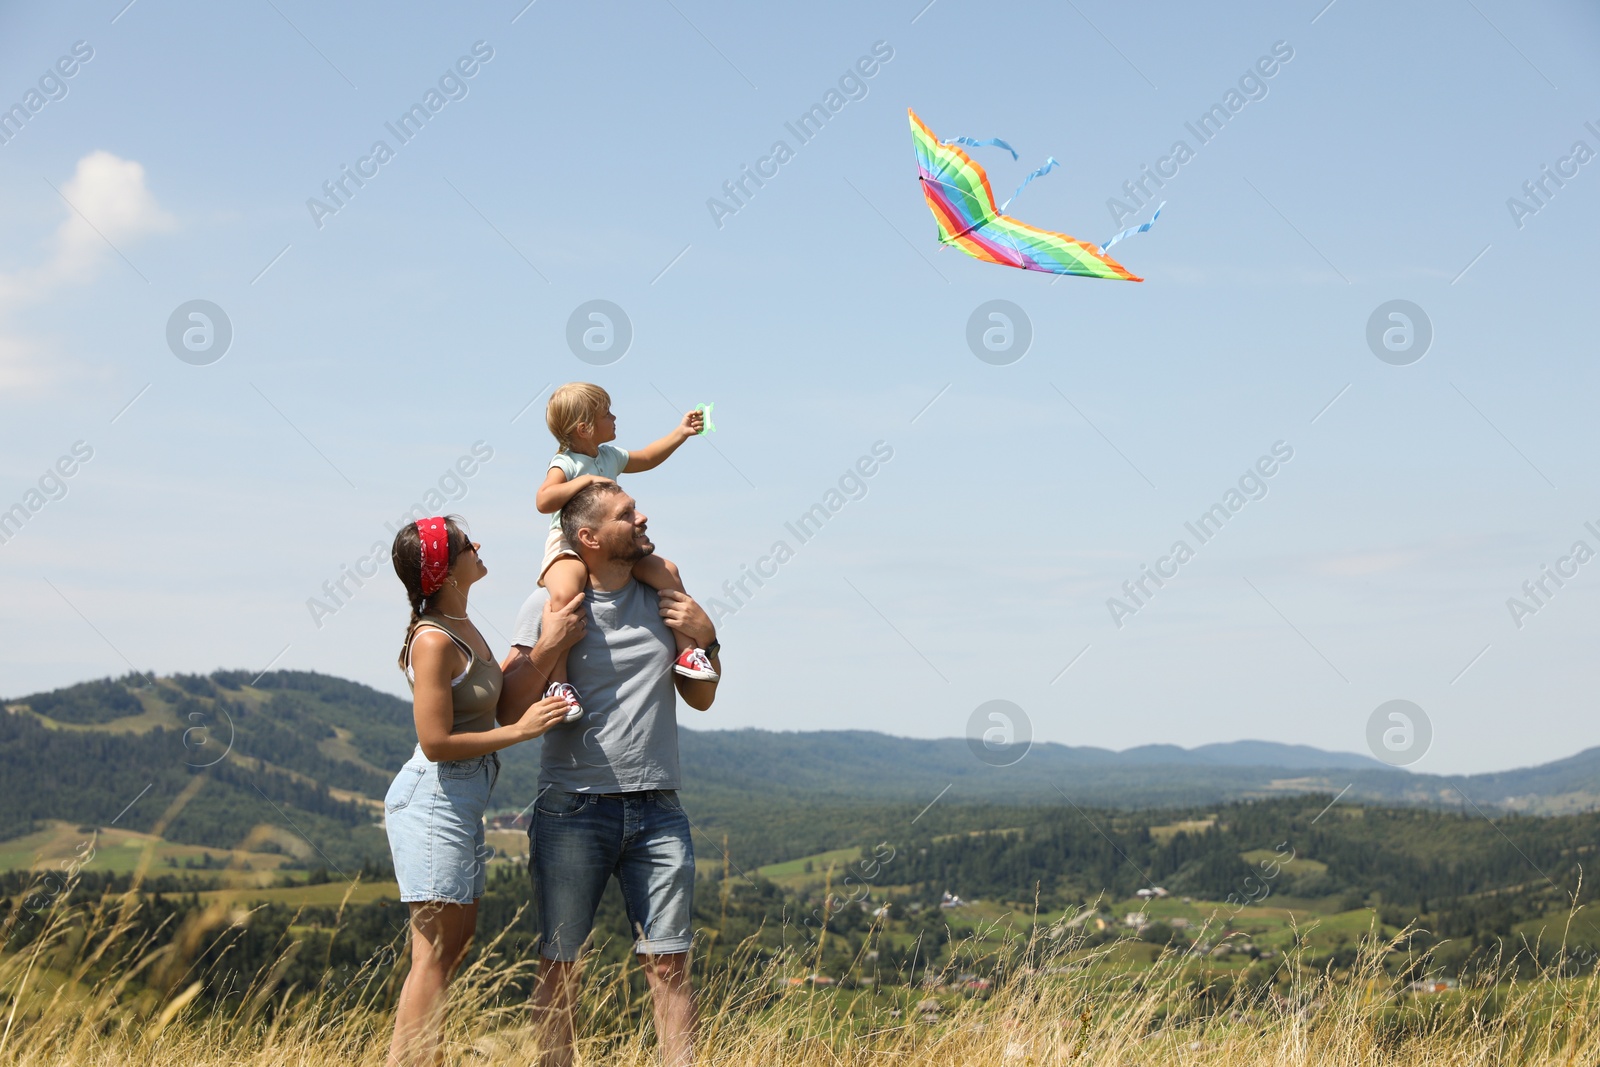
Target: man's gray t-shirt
x: 627, y: 739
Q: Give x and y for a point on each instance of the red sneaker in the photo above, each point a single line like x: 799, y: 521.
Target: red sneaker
x: 694, y: 663
x: 570, y: 695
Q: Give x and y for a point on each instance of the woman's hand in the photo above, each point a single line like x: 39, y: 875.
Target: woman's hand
x: 539, y: 718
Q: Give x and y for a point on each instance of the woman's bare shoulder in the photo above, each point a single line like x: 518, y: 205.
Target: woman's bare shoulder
x: 430, y: 644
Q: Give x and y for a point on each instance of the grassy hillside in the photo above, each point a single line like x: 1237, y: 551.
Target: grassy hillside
x: 203, y: 762
x: 295, y: 764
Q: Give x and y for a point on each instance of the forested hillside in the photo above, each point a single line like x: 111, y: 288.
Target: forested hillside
x: 212, y: 760
x: 205, y: 761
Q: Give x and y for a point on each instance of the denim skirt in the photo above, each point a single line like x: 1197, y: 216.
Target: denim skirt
x: 433, y: 814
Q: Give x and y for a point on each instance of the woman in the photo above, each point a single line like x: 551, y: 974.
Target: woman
x: 434, y: 810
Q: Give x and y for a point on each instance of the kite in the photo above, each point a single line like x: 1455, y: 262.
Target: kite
x: 958, y: 194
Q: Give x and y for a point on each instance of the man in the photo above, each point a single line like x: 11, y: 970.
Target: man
x: 608, y: 783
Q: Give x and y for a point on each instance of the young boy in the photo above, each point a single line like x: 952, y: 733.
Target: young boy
x: 579, y: 415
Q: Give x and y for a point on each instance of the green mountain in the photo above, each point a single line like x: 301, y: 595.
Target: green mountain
x: 212, y: 760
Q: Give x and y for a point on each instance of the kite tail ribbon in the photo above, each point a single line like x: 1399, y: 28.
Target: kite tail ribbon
x: 970, y: 143
x: 1050, y: 164
x: 1131, y: 230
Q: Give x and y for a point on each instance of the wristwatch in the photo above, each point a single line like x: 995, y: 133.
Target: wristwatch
x: 713, y: 648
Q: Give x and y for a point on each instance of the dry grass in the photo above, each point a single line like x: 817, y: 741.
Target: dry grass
x: 90, y: 991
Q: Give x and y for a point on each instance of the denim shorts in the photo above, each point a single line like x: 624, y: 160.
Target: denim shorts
x: 434, y: 817
x: 577, y: 841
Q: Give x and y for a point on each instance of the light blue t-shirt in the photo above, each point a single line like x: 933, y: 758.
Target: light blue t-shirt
x: 607, y: 462
x: 627, y: 739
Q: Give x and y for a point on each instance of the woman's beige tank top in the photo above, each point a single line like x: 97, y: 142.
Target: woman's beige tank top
x: 475, y: 692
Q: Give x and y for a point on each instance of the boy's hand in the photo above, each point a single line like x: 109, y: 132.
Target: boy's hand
x: 693, y: 422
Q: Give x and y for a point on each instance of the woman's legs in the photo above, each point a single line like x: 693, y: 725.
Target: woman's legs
x: 440, y: 934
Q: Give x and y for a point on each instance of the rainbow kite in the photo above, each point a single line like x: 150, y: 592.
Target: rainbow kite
x: 958, y: 194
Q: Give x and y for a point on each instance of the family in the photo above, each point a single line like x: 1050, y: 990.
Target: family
x: 600, y: 654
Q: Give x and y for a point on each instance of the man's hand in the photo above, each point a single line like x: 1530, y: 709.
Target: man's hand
x: 693, y: 422
x: 684, y: 615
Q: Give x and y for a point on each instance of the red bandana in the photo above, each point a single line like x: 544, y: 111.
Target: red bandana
x: 435, y: 538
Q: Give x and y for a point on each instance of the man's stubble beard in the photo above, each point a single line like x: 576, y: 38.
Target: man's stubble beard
x: 631, y: 553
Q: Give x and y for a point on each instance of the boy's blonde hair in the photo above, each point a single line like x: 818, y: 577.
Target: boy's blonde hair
x: 571, y: 406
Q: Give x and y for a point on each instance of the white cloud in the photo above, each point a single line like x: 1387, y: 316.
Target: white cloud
x: 1361, y: 564
x: 22, y: 363
x: 112, y: 205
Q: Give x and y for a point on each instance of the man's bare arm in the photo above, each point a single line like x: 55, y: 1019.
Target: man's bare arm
x: 683, y: 614
x: 696, y: 692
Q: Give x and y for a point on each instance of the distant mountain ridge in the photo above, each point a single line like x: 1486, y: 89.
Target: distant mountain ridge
x: 325, y: 730
x: 1251, y: 754
x: 881, y: 766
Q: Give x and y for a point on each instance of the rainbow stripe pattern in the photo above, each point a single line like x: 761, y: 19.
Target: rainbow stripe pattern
x: 958, y: 194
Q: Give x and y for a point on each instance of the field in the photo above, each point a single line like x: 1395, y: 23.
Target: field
x: 172, y: 953
x: 1058, y: 1002
x: 1277, y: 925
x: 809, y: 872
x: 125, y: 851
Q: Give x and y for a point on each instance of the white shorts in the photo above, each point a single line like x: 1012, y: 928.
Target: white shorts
x: 555, y: 547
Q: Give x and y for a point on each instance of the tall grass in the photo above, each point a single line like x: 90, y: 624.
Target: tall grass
x: 88, y: 989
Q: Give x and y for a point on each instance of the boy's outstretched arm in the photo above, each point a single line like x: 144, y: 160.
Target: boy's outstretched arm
x: 656, y: 453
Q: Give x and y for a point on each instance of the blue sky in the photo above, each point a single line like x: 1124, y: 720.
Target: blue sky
x: 370, y: 353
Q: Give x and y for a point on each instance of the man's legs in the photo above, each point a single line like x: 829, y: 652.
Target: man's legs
x: 577, y: 842
x: 574, y: 841
x: 672, y: 999
x: 656, y: 870
x: 554, y: 997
